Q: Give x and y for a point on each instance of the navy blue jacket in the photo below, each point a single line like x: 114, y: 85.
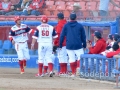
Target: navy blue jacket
x: 75, y: 36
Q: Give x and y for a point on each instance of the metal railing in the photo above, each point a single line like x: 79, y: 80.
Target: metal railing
x: 94, y: 66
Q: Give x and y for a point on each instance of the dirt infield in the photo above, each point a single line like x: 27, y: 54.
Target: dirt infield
x: 10, y: 79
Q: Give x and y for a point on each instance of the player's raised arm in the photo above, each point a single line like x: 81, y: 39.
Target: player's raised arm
x: 29, y: 30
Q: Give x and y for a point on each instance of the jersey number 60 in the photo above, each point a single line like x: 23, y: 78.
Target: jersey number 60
x: 45, y: 33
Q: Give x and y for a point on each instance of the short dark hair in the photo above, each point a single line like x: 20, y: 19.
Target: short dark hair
x: 98, y: 34
x: 115, y: 46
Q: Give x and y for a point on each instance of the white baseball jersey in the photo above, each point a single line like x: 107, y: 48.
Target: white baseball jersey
x: 19, y: 34
x: 45, y: 33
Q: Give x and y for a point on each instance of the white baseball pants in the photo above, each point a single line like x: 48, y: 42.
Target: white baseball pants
x: 62, y: 55
x: 22, y: 50
x: 72, y: 53
x: 44, y: 52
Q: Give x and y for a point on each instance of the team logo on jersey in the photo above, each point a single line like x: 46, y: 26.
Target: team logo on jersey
x: 19, y: 32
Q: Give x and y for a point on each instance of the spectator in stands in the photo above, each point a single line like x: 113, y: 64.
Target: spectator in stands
x: 76, y: 9
x: 5, y: 7
x: 116, y: 36
x: 18, y: 5
x: 34, y: 7
x: 24, y: 6
x: 100, y: 45
x: 15, y: 8
x: 110, y: 43
x: 109, y: 48
x: 103, y: 7
x: 116, y: 49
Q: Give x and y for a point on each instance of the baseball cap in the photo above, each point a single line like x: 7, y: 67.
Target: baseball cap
x: 73, y: 16
x: 60, y: 15
x: 97, y: 34
x: 77, y: 5
x: 110, y: 36
x: 116, y: 36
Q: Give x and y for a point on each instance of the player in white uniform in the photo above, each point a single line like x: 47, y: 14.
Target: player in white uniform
x: 18, y: 36
x: 44, y: 36
x: 45, y: 64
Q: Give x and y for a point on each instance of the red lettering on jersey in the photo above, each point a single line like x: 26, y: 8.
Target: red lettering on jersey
x: 45, y: 33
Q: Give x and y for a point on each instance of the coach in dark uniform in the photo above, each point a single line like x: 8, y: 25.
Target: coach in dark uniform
x: 75, y: 41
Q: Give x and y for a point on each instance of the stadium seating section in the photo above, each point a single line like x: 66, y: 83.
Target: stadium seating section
x: 89, y: 9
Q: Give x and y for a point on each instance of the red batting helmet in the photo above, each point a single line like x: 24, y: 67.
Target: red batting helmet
x: 17, y: 18
x: 44, y: 19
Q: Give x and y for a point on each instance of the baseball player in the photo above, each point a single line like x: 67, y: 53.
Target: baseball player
x: 75, y: 41
x: 18, y: 36
x: 62, y: 54
x: 44, y: 35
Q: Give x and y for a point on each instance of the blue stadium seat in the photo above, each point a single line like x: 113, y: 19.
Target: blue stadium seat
x: 36, y: 52
x: 31, y: 52
x: 1, y: 51
x: 13, y: 49
x: 7, y: 45
x: 1, y: 43
x: 13, y: 46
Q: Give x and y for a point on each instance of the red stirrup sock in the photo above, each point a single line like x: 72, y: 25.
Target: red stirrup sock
x: 45, y: 69
x: 21, y: 65
x: 40, y: 67
x: 73, y: 68
x: 61, y: 68
x: 24, y: 63
x: 65, y: 68
x: 50, y: 66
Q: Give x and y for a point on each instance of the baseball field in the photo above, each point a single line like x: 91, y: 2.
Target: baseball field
x: 10, y: 79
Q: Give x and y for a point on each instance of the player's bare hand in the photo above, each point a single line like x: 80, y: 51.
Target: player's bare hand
x: 89, y: 45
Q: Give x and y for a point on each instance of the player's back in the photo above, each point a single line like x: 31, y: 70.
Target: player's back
x: 75, y: 35
x: 45, y: 32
